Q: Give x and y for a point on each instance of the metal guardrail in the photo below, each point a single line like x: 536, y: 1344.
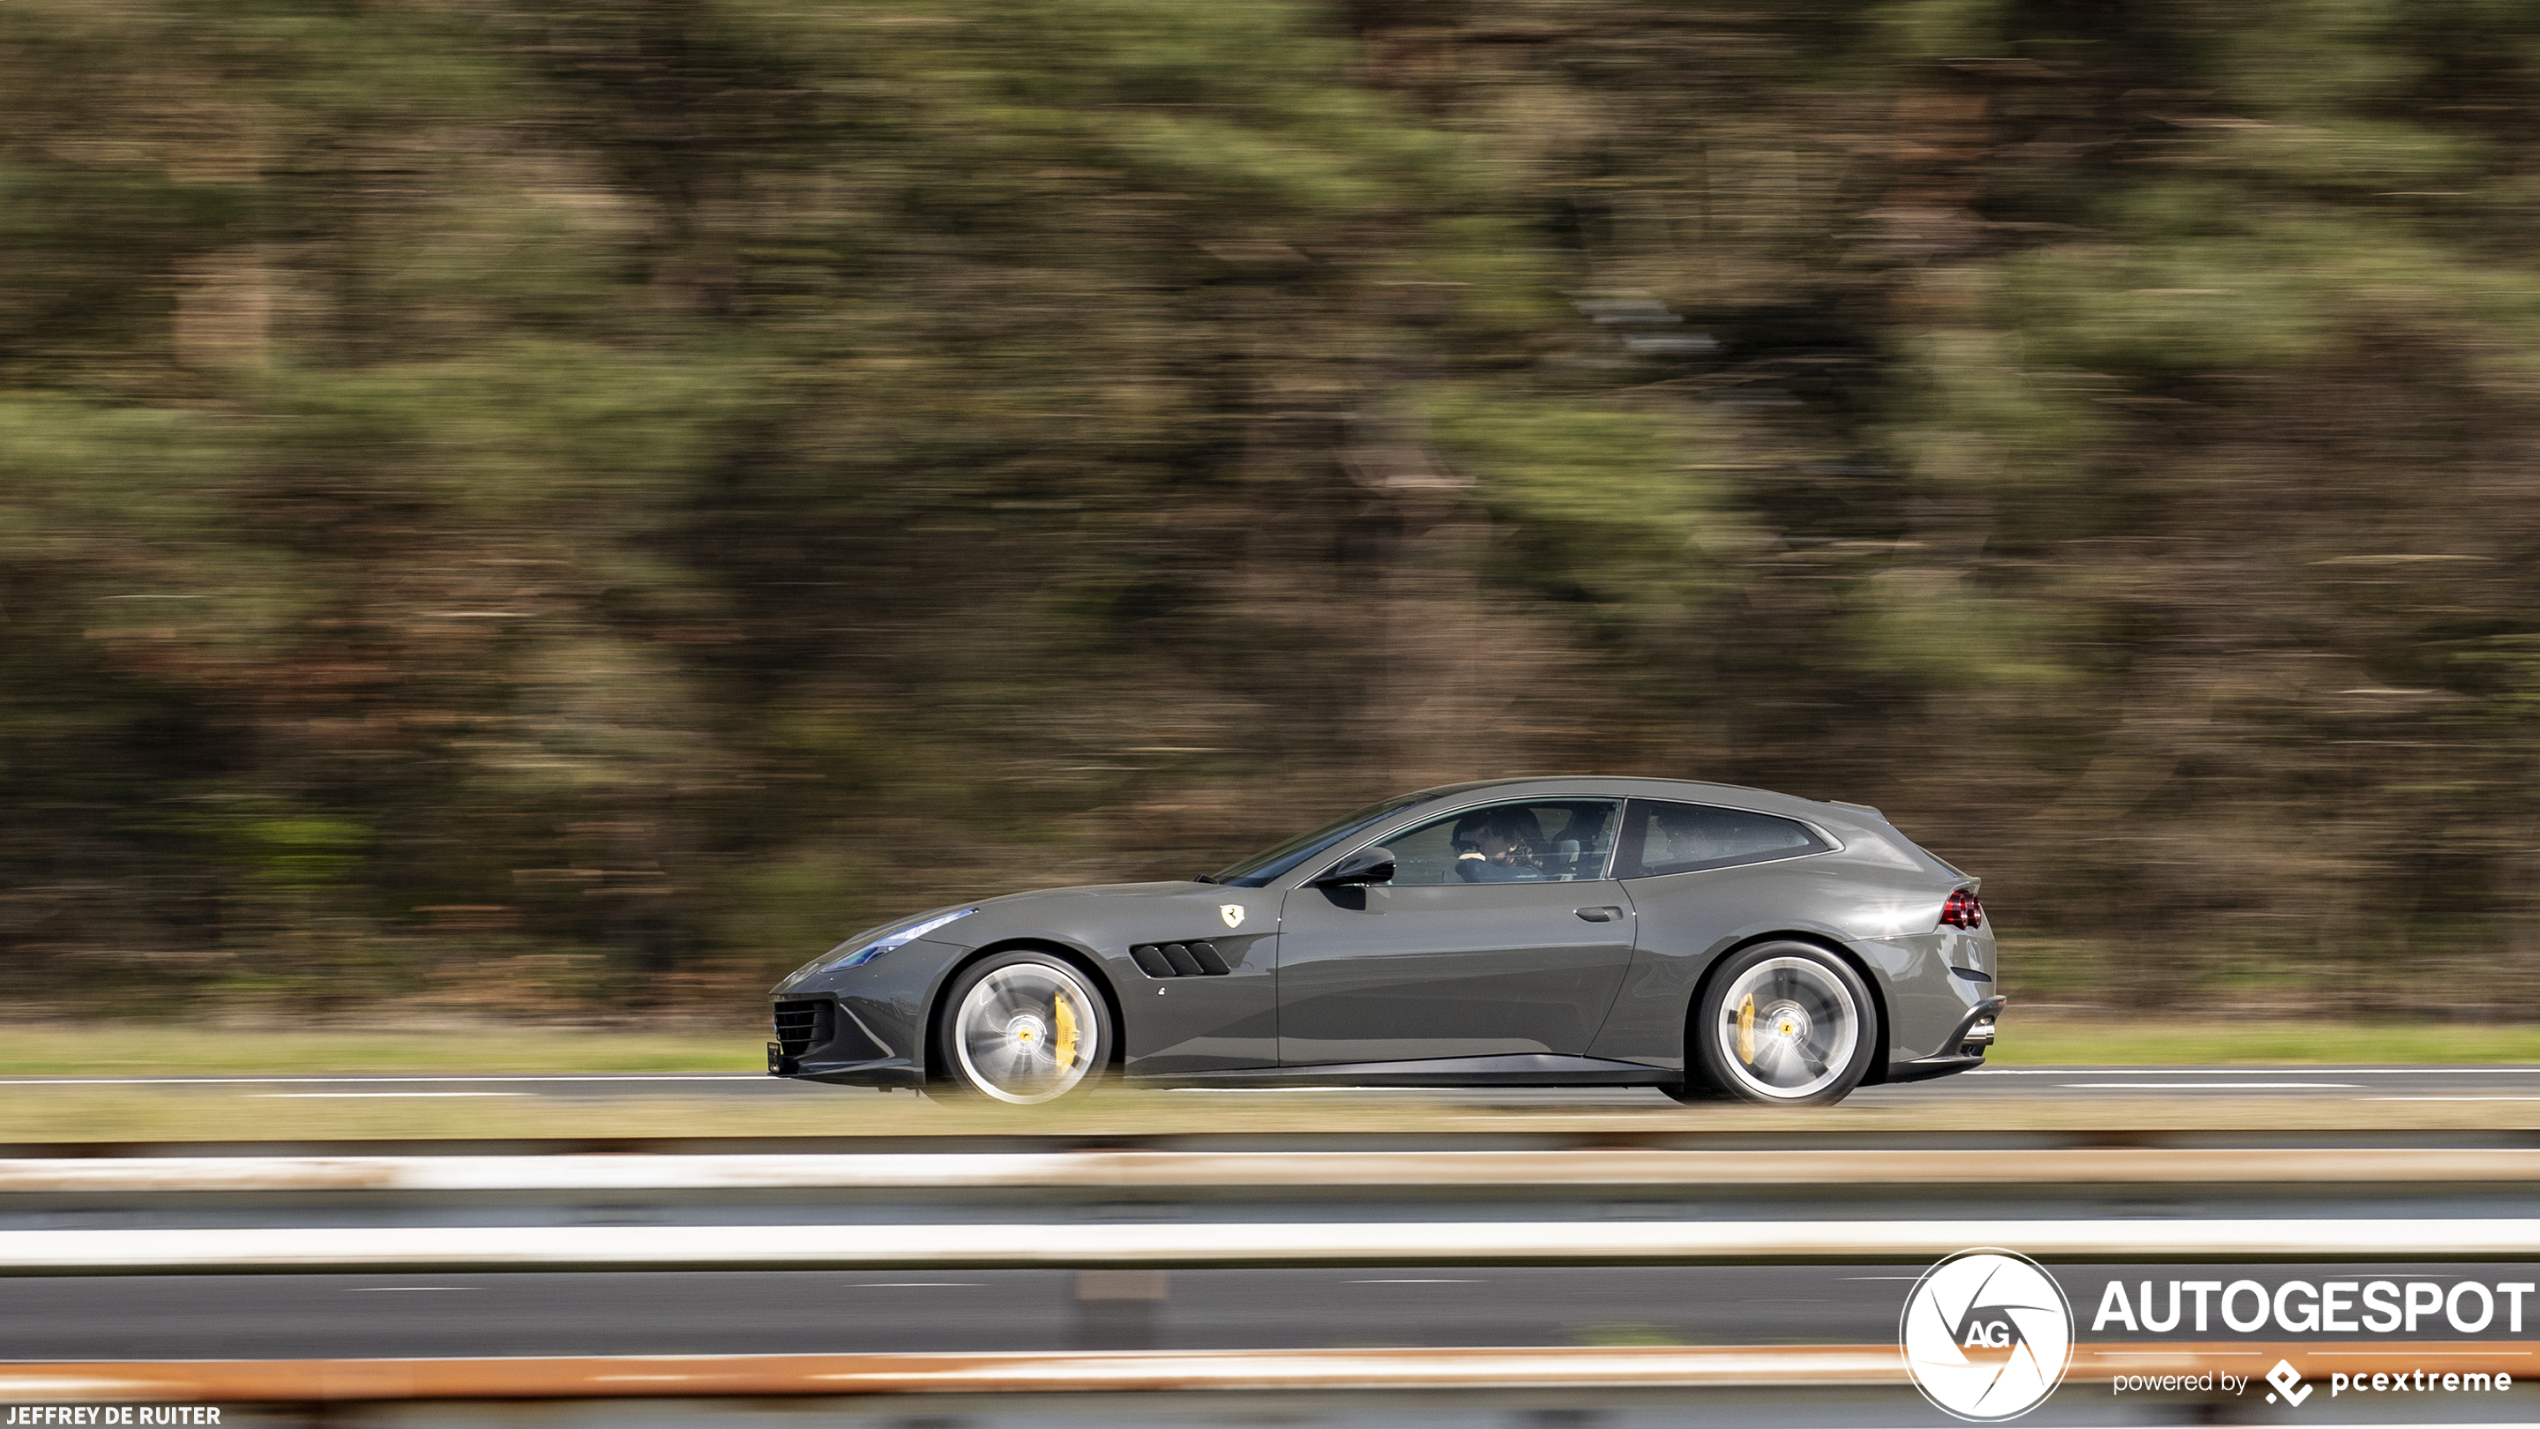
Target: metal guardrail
x: 1197, y: 1243
x: 1725, y: 1132
x: 710, y: 1376
x: 285, y: 1380
x: 1282, y: 1170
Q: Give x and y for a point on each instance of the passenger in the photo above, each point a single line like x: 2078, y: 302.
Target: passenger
x: 1497, y: 846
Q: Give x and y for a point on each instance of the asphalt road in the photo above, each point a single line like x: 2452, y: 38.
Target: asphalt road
x: 2378, y: 1085
x: 828, y: 1312
x: 636, y: 1313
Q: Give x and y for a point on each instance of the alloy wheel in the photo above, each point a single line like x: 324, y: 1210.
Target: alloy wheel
x: 1027, y: 1032
x: 1787, y: 1028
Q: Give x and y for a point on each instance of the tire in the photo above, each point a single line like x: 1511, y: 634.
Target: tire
x: 1784, y: 1024
x: 1023, y: 1028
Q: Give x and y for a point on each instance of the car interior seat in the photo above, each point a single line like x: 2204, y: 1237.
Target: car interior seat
x: 1563, y: 862
x: 1582, y: 841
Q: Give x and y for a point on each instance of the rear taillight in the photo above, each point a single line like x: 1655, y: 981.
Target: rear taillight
x: 1962, y: 910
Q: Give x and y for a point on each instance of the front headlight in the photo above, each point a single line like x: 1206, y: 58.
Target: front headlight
x: 848, y: 955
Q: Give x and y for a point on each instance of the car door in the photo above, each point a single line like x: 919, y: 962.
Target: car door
x: 1451, y: 959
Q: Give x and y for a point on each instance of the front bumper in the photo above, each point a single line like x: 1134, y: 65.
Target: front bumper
x: 820, y: 1039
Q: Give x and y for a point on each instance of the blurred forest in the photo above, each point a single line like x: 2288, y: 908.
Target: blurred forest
x: 568, y: 509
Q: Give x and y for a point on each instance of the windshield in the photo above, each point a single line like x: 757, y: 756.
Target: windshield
x: 1270, y: 863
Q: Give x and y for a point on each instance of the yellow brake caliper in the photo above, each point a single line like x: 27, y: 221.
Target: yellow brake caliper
x: 1066, y: 1048
x: 1745, y: 1030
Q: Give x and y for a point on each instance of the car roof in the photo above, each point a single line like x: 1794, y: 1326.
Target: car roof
x: 1623, y: 786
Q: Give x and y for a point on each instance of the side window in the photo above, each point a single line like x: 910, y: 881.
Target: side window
x: 1660, y: 837
x: 1553, y: 841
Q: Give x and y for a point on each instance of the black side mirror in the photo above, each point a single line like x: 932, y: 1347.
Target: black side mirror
x: 1368, y: 865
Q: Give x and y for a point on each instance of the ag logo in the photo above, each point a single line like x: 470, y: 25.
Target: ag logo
x: 1233, y: 913
x: 1987, y: 1335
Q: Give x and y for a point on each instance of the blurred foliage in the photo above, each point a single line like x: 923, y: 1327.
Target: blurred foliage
x: 520, y: 507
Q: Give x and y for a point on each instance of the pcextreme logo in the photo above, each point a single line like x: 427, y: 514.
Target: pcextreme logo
x: 2288, y: 1382
x: 1987, y: 1335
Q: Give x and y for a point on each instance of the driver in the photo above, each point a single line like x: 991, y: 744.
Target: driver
x: 1497, y: 846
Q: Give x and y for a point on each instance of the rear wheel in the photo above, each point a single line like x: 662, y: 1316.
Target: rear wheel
x: 1786, y: 1024
x: 1024, y: 1028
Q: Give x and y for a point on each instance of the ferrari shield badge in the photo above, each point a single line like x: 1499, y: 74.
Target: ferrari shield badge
x: 1233, y: 913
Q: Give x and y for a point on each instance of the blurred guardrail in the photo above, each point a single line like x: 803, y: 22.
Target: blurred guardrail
x: 1257, y: 1243
x: 707, y: 1376
x: 1275, y: 1208
x: 1031, y: 1209
x: 648, y: 1376
x: 1636, y: 1366
x: 1420, y: 1172
x: 2223, y: 1127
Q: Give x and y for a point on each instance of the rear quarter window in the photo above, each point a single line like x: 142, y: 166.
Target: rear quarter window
x: 1660, y: 837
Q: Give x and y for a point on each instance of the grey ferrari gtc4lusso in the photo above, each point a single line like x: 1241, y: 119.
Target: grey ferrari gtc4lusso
x: 1705, y: 940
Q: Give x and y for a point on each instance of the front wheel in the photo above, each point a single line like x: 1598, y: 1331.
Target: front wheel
x: 1785, y: 1024
x: 1023, y: 1028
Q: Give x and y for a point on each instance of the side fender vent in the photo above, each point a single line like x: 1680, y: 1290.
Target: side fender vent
x: 1179, y: 960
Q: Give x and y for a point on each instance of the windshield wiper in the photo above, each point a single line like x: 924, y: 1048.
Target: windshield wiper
x: 1204, y: 878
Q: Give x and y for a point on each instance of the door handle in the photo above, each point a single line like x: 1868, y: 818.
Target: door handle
x: 1599, y: 915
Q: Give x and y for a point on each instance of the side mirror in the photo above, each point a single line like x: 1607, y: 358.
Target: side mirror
x: 1368, y: 865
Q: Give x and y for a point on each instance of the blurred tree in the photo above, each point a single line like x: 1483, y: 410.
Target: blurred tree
x: 505, y: 502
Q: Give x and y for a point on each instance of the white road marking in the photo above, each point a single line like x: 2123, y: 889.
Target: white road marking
x: 394, y: 1289
x: 331, y: 1081
x: 306, y: 1095
x: 2204, y: 1086
x: 2453, y: 1069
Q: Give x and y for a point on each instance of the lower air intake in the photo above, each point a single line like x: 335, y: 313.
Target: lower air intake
x: 801, y: 1026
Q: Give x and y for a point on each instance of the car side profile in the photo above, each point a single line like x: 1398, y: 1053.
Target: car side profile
x: 1705, y: 940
